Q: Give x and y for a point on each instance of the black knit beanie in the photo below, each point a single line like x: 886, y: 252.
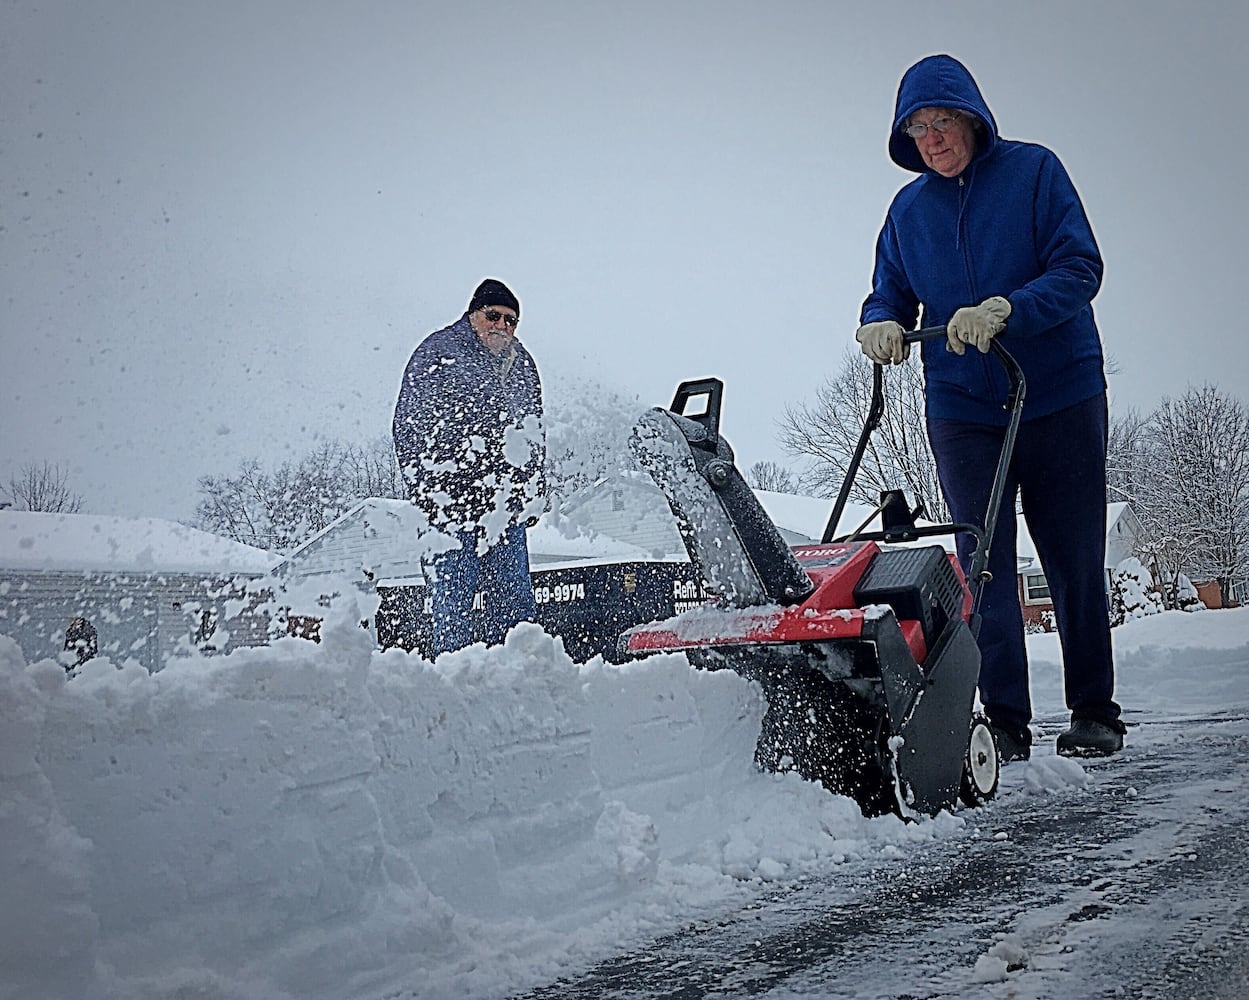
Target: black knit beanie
x: 492, y: 292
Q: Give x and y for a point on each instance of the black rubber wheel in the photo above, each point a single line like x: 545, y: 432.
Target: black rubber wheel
x: 981, y: 766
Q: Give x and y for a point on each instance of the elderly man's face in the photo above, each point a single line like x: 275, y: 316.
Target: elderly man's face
x: 495, y: 327
x: 947, y: 152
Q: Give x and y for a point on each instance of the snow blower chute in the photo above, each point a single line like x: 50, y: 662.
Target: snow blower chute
x: 864, y: 645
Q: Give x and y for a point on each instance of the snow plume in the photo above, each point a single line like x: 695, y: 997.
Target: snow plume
x: 521, y: 443
x: 587, y: 431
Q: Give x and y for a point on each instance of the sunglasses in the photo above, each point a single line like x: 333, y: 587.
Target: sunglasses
x: 493, y: 316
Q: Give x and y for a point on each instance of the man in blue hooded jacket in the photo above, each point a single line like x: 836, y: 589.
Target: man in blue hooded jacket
x: 471, y: 446
x: 992, y: 240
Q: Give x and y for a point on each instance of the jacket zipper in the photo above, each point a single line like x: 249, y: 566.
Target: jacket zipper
x: 986, y: 369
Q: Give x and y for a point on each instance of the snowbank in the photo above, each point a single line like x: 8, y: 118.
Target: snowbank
x: 327, y: 821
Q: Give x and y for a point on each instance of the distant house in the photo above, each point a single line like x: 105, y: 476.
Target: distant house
x: 1123, y: 536
x: 629, y: 509
x: 142, y: 587
x: 1211, y: 593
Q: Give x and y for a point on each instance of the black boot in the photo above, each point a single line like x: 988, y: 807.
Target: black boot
x: 1091, y: 738
x: 1012, y: 744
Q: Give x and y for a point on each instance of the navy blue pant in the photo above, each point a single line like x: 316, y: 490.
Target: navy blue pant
x: 502, y: 576
x: 1059, y: 471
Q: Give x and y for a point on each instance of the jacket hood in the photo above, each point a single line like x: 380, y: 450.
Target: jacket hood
x: 937, y: 82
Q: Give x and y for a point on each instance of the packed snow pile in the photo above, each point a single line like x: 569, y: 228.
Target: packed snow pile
x: 329, y: 821
x: 326, y: 820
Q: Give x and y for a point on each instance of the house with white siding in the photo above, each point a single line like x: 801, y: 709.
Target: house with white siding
x: 146, y: 586
x: 1123, y: 539
x: 629, y: 507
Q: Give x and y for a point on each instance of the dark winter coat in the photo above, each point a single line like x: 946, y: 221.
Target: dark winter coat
x: 1012, y: 225
x: 468, y: 432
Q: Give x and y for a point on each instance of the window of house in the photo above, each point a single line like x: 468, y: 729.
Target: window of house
x: 617, y: 500
x: 1036, y: 589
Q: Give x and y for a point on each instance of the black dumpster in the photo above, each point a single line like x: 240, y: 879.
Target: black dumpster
x: 588, y: 604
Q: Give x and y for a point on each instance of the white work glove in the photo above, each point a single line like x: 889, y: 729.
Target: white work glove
x: 977, y: 325
x: 882, y: 342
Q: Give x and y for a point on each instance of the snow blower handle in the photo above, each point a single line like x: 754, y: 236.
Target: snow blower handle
x: 711, y: 390
x: 1013, y: 372
x: 925, y: 333
x: 978, y: 573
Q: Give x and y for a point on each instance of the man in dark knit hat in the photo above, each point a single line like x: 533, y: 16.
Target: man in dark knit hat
x: 471, y: 445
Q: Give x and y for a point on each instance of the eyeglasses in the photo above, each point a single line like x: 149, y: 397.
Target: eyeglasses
x: 942, y: 124
x: 493, y: 316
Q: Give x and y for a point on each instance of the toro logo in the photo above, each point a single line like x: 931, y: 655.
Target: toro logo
x: 824, y: 555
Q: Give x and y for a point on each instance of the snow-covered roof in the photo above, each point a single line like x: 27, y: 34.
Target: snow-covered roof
x: 808, y: 515
x: 549, y: 547
x: 39, y: 541
x: 383, y: 534
x: 392, y: 525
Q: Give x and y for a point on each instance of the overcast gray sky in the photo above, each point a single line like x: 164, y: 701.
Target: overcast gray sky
x: 224, y: 226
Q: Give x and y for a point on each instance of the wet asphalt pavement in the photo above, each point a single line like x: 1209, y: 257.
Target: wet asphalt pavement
x: 1135, y: 886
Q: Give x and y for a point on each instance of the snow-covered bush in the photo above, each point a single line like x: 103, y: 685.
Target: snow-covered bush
x: 1045, y: 622
x: 1186, y: 596
x: 1132, y: 593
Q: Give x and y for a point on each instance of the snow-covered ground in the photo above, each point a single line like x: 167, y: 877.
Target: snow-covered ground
x: 327, y: 821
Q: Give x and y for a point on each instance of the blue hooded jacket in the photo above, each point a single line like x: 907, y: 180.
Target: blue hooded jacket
x: 1012, y: 225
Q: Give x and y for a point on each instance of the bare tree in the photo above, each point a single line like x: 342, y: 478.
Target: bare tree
x: 241, y: 507
x: 375, y: 471
x: 43, y: 487
x: 898, y: 455
x: 1194, y: 496
x: 773, y: 477
x: 1127, y: 466
x: 587, y: 438
x: 280, y: 509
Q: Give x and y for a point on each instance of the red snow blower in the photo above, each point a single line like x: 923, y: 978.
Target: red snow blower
x: 864, y: 645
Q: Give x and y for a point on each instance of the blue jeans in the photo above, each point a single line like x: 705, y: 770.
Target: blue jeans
x: 502, y: 575
x: 1059, y: 470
